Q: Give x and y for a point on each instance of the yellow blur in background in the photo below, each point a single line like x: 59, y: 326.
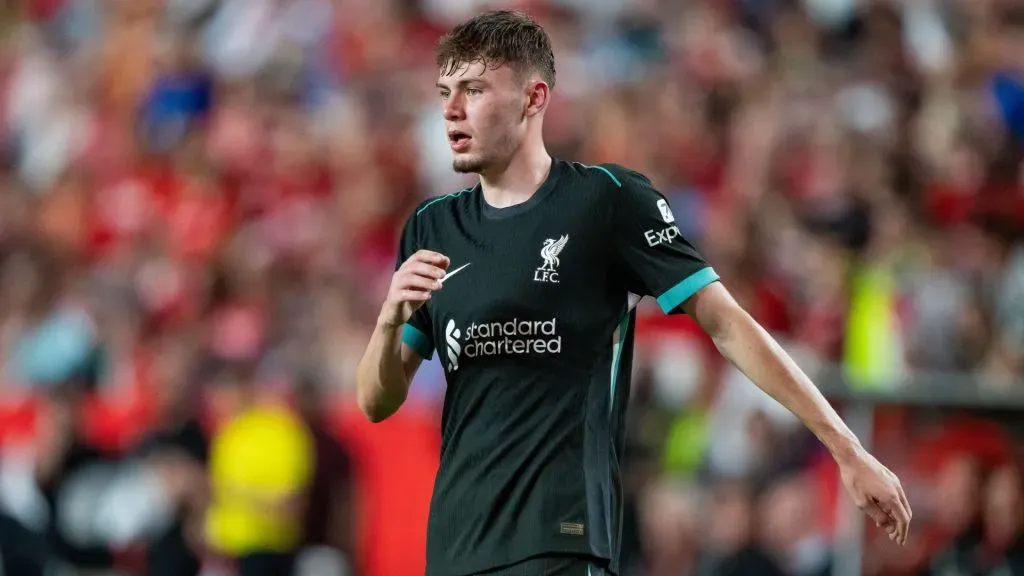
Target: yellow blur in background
x: 261, y: 463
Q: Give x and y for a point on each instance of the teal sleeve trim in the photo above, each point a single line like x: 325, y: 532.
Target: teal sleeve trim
x: 692, y: 284
x: 418, y: 341
x: 445, y: 197
x: 609, y: 173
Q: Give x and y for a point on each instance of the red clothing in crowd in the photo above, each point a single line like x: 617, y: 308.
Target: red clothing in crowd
x: 395, y: 464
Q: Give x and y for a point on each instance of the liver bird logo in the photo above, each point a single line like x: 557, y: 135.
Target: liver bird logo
x: 550, y: 251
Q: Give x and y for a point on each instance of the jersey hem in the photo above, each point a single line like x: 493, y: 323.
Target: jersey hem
x: 418, y: 341
x: 470, y: 568
x: 689, y: 286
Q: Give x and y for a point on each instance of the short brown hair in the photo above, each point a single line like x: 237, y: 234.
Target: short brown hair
x: 499, y: 38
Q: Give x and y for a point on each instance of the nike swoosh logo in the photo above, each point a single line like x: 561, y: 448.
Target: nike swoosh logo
x: 454, y: 272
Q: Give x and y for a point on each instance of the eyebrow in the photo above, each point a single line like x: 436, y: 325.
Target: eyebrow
x: 463, y: 82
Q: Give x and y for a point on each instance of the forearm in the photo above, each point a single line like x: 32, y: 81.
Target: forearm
x: 755, y: 353
x: 381, y: 380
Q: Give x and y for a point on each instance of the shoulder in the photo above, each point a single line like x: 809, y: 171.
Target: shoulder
x: 439, y: 205
x: 609, y: 177
x: 615, y: 184
x: 437, y: 209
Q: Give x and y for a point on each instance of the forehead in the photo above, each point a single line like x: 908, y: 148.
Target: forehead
x: 475, y: 72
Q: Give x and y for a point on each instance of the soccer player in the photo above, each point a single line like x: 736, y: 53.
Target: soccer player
x: 525, y: 285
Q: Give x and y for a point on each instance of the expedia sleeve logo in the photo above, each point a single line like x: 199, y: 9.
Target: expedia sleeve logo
x: 514, y: 337
x: 666, y: 235
x: 666, y: 212
x: 663, y: 236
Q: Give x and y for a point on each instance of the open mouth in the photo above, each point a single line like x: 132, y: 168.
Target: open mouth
x: 457, y: 138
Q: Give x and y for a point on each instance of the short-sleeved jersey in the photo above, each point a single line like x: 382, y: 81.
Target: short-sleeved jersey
x: 534, y: 326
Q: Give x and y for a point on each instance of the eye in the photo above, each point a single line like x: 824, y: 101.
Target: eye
x: 444, y: 95
x: 473, y: 91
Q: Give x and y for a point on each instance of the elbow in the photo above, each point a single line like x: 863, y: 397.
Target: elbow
x: 729, y: 326
x: 375, y: 416
x: 368, y: 411
x: 375, y: 405
x: 371, y: 409
x: 368, y: 394
x: 722, y: 322
x: 380, y: 390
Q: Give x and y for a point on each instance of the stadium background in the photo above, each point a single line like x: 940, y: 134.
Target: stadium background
x: 200, y: 199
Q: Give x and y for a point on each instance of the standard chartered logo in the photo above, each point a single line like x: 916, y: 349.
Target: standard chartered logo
x: 501, y: 338
x: 451, y: 336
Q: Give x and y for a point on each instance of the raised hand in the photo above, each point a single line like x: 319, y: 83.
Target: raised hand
x: 412, y: 285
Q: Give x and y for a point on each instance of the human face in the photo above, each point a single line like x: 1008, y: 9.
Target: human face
x: 485, y: 114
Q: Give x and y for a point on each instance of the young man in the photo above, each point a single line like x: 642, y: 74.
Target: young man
x: 526, y: 284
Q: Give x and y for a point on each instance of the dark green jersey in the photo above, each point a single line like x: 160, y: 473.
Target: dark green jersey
x: 534, y: 325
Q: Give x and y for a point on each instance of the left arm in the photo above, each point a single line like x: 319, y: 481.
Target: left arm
x: 742, y: 341
x: 750, y: 348
x: 657, y: 260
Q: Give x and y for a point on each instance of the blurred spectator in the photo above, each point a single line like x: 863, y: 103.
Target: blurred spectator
x: 731, y: 546
x: 668, y: 530
x: 179, y: 97
x: 54, y: 493
x: 261, y: 465
x: 790, y: 531
x: 1004, y: 522
x: 958, y: 522
x: 329, y: 542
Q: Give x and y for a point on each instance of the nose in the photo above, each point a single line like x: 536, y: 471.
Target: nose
x: 454, y: 108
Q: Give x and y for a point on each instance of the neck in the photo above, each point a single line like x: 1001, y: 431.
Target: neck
x: 515, y: 181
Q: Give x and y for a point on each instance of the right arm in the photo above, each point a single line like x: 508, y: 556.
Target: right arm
x: 389, y: 363
x: 385, y: 372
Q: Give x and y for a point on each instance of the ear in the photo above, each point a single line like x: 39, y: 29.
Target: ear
x: 537, y: 94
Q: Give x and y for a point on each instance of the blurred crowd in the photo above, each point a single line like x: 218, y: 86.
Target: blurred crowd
x: 199, y: 211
